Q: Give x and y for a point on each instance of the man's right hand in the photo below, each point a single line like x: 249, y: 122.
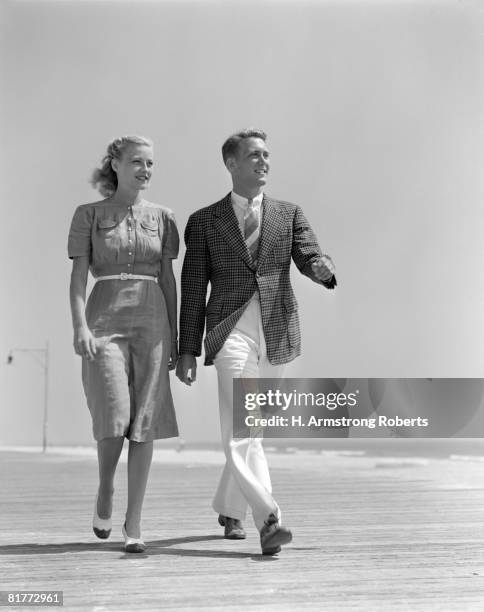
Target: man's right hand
x: 186, y: 368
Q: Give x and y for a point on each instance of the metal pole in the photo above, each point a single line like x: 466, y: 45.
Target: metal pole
x: 45, y: 366
x: 46, y: 397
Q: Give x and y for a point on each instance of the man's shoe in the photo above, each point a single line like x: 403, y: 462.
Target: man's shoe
x: 233, y: 528
x: 273, y: 536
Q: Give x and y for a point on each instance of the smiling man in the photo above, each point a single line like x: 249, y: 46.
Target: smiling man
x: 243, y: 246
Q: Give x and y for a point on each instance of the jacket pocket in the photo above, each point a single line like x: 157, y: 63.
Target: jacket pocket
x: 149, y: 225
x: 107, y: 224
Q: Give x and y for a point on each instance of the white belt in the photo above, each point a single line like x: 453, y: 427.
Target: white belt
x: 126, y: 276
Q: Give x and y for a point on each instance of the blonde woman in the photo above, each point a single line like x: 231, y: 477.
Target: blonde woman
x: 126, y: 334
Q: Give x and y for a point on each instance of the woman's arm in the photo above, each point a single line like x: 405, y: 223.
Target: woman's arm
x: 168, y: 286
x: 84, y: 341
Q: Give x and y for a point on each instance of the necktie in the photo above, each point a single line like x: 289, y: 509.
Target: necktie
x: 251, y: 230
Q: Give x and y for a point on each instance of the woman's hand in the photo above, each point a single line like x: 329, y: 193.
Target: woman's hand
x: 84, y: 343
x: 173, y: 355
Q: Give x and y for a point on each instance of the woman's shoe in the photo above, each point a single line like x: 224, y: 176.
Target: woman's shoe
x: 101, y: 527
x: 133, y: 545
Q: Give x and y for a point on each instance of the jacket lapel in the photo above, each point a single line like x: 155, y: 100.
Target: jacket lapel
x: 270, y: 233
x: 228, y: 227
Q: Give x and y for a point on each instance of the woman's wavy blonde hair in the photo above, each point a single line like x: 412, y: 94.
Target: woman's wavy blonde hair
x: 105, y: 179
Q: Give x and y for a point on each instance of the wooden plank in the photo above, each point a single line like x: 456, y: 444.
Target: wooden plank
x: 369, y: 534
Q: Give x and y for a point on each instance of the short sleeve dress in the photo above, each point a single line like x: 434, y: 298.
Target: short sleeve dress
x: 127, y: 385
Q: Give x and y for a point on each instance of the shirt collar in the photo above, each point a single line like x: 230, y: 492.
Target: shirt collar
x: 242, y: 202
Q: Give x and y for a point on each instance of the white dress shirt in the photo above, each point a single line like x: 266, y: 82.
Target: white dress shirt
x: 240, y: 205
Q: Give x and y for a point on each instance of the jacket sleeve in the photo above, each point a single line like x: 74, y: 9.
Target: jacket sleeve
x: 194, y: 282
x: 305, y: 248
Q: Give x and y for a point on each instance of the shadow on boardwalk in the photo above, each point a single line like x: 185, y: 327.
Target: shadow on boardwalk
x: 155, y: 547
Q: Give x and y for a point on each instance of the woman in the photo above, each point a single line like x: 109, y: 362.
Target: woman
x: 127, y: 333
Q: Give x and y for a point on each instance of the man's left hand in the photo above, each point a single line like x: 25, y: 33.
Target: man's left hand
x: 323, y: 268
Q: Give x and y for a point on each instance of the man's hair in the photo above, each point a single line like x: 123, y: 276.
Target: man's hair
x: 231, y: 145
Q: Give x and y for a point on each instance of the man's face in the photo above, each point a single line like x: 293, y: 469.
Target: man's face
x: 250, y: 166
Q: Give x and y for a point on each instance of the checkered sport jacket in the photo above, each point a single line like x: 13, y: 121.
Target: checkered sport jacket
x: 217, y: 254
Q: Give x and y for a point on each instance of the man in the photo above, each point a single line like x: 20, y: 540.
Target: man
x: 243, y: 245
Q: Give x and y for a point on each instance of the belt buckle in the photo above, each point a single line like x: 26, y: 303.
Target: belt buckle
x: 124, y: 276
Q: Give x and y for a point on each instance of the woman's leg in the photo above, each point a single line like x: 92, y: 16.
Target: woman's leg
x: 108, y: 452
x: 139, y: 462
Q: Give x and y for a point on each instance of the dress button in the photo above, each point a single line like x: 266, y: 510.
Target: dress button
x: 129, y: 253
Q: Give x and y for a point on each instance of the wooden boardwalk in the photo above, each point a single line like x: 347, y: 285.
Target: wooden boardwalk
x: 370, y: 534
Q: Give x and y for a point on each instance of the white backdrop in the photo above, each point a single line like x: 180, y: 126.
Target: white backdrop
x: 374, y: 116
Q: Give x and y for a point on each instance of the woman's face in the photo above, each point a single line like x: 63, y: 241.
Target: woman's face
x: 134, y: 168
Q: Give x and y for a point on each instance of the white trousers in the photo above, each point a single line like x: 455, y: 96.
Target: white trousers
x: 245, y: 480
